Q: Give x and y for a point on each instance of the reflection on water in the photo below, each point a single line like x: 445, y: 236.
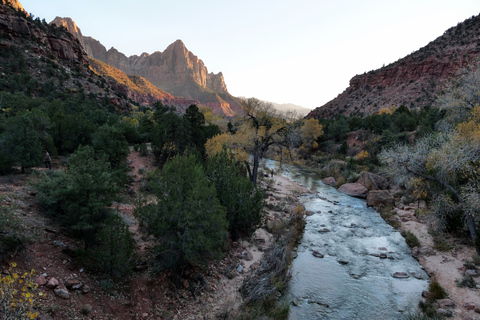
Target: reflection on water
x: 354, y: 279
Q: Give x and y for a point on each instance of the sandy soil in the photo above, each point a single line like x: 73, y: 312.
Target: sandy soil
x: 446, y: 267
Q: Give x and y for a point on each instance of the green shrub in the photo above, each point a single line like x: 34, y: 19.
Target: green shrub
x: 12, y: 232
x: 435, y: 291
x: 79, y: 197
x: 466, y: 282
x: 114, y: 254
x: 440, y: 244
x: 136, y: 146
x: 476, y: 259
x: 411, y: 239
x: 242, y: 200
x: 143, y: 149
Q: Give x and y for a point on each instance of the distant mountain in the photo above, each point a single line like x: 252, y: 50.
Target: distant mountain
x: 175, y: 70
x: 284, y: 107
x: 413, y: 81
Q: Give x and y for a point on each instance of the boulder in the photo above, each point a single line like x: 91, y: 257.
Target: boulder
x: 378, y: 197
x: 372, y: 181
x: 354, y: 190
x: 330, y: 181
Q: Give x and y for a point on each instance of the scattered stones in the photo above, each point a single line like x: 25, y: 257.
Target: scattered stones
x: 59, y: 243
x: 73, y: 284
x: 343, y: 262
x: 324, y: 230
x: 472, y: 273
x: 469, y: 306
x: 41, y: 281
x: 62, y: 293
x: 317, y: 254
x: 446, y: 303
x: 425, y: 294
x: 308, y: 213
x: 383, y: 255
x: 52, y: 283
x: 247, y: 255
x: 401, y: 275
x: 85, y: 289
x: 446, y: 313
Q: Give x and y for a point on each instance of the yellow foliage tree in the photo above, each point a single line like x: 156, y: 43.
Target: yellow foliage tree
x: 261, y: 128
x: 311, y: 130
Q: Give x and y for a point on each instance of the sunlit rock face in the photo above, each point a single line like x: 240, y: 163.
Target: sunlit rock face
x: 413, y: 81
x: 14, y: 4
x: 176, y: 70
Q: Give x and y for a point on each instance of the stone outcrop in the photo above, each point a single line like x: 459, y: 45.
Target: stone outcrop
x: 175, y: 70
x: 15, y: 5
x: 354, y: 190
x: 372, y: 181
x: 412, y: 81
x: 16, y: 26
x: 376, y: 198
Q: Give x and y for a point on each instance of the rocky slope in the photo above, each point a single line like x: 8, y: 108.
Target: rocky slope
x: 176, y: 70
x: 412, y: 81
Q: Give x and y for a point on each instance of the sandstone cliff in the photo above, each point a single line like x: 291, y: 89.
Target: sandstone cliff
x: 17, y: 27
x: 412, y: 81
x: 15, y: 5
x: 175, y: 70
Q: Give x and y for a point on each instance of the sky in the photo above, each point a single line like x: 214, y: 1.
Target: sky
x: 285, y: 51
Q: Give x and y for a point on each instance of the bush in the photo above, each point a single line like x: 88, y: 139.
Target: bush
x: 242, y: 200
x: 79, y: 198
x: 187, y: 218
x: 466, y: 282
x: 114, y: 254
x: 435, y: 291
x: 411, y: 239
x: 440, y: 244
x: 143, y: 149
x: 12, y: 233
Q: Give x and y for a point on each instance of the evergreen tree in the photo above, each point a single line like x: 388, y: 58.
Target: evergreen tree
x: 187, y: 218
x: 80, y: 197
x: 21, y: 142
x: 242, y: 199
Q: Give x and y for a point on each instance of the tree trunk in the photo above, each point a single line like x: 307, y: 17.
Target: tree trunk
x: 256, y: 163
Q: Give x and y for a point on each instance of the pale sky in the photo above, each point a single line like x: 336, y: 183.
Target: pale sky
x: 300, y: 51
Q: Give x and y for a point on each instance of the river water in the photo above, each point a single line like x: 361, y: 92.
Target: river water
x: 361, y: 254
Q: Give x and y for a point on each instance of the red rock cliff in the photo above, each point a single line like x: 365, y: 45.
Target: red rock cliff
x: 413, y: 81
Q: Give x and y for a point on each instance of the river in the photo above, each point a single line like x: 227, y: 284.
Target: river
x: 361, y: 254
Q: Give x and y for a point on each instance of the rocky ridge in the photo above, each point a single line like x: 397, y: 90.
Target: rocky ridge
x: 175, y: 70
x: 413, y: 81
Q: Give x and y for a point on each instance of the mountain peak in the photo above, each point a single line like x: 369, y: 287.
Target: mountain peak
x: 14, y: 4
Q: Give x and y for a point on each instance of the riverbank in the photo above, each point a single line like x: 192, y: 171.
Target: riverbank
x: 447, y: 267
